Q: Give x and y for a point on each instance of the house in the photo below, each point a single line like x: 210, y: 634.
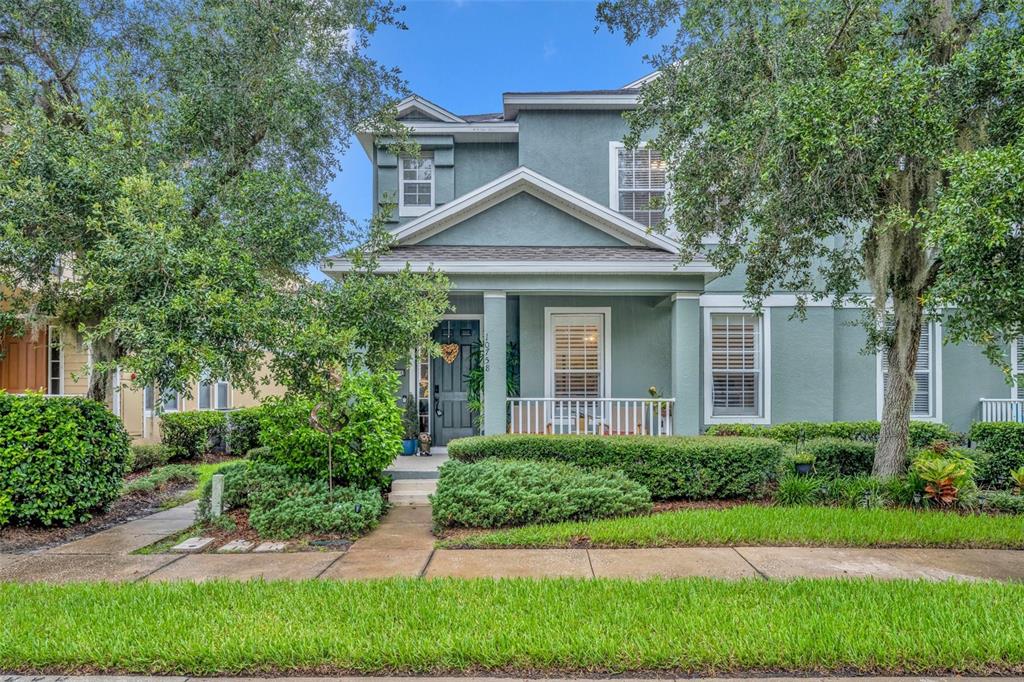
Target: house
x: 41, y: 361
x: 539, y: 216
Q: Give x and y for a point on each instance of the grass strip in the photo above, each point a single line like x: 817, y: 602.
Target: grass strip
x: 759, y: 525
x: 401, y: 625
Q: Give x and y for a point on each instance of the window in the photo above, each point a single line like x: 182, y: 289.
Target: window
x: 637, y: 177
x: 170, y: 401
x: 54, y: 364
x: 214, y: 395
x: 925, y: 404
x: 1017, y: 365
x: 735, y: 366
x: 416, y: 185
x: 576, y: 350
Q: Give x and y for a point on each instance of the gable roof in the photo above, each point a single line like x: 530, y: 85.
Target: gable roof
x: 523, y: 179
x: 427, y: 108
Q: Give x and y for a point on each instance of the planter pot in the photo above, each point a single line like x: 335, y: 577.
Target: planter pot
x: 408, y: 446
x: 803, y: 469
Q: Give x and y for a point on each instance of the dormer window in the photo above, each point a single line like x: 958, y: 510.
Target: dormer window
x: 637, y: 177
x: 416, y: 185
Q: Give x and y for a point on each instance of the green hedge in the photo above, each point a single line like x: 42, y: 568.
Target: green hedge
x: 190, y: 435
x: 678, y: 467
x: 1004, y: 443
x: 922, y: 434
x: 244, y: 429
x: 147, y: 456
x: 841, y: 456
x: 494, y: 492
x: 61, y: 459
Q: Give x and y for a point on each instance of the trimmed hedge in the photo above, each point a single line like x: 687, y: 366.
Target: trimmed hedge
x: 190, y: 435
x: 686, y: 467
x: 922, y: 434
x: 147, y: 456
x: 244, y: 429
x: 841, y: 456
x: 61, y: 459
x: 1004, y: 444
x: 494, y: 492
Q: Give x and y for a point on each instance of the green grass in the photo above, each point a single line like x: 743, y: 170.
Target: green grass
x: 438, y: 626
x: 205, y: 473
x: 758, y: 525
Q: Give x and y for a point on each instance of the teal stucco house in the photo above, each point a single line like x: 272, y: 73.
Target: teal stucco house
x: 540, y: 217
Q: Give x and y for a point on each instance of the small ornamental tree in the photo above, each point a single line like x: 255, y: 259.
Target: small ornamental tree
x: 838, y: 145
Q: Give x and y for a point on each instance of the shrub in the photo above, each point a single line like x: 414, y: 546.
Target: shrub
x: 495, y: 492
x: 61, y: 459
x: 1004, y: 443
x: 689, y: 467
x: 190, y: 435
x: 161, y: 477
x: 921, y: 433
x: 362, y: 448
x: 243, y: 429
x: 945, y: 478
x: 262, y: 452
x: 794, y: 490
x: 236, y: 489
x: 840, y: 456
x: 307, y: 507
x: 856, y: 492
x: 1002, y: 501
x: 147, y: 456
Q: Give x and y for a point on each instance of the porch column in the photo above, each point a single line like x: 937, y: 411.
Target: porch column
x: 685, y: 349
x: 494, y: 362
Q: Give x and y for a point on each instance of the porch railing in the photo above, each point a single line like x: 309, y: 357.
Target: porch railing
x: 1002, y: 410
x: 597, y: 416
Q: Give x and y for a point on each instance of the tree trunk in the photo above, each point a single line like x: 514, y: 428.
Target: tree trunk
x: 101, y: 373
x: 900, y: 387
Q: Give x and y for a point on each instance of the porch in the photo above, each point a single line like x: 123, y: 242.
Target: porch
x: 1002, y: 409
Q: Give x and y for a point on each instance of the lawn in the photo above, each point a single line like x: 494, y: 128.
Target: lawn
x: 205, y: 472
x: 760, y: 525
x: 436, y: 626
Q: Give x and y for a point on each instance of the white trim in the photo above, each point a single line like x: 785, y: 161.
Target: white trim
x: 413, y: 211
x: 531, y: 267
x: 640, y: 82
x: 766, y: 368
x: 686, y: 295
x: 1016, y: 391
x: 771, y: 301
x: 935, y: 372
x: 116, y: 400
x: 513, y: 103
x: 415, y: 102
x: 606, y: 370
x: 522, y: 179
x: 49, y: 345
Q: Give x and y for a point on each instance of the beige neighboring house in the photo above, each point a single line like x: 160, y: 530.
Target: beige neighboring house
x: 40, y: 362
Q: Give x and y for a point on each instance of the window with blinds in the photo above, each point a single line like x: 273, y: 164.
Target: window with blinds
x: 641, y: 178
x: 737, y: 366
x: 924, y: 401
x: 577, y: 353
x: 416, y: 185
x: 1017, y: 362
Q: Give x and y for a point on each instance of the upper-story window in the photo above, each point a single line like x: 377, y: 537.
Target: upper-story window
x: 416, y: 185
x: 637, y: 177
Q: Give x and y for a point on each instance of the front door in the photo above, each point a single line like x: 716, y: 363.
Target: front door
x: 450, y: 375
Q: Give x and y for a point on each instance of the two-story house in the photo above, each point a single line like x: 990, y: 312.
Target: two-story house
x: 539, y: 216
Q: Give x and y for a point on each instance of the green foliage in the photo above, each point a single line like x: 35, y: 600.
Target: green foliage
x: 1004, y: 441
x: 410, y: 418
x: 1002, y: 501
x: 363, y: 447
x: 262, y: 452
x: 236, y: 489
x: 495, y: 492
x: 688, y: 467
x: 802, y: 458
x: 160, y: 477
x: 308, y: 507
x: 841, y: 457
x: 1017, y: 476
x: 475, y: 377
x: 147, y: 456
x: 61, y: 459
x: 945, y: 477
x: 799, y: 490
x: 922, y: 434
x: 856, y: 491
x: 190, y: 435
x: 243, y: 429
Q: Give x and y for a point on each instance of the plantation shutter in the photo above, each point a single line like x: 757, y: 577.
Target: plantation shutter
x: 922, y: 405
x: 736, y: 365
x: 1018, y: 367
x: 577, y: 356
x: 641, y: 178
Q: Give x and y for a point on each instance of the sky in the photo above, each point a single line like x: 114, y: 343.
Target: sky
x: 463, y: 54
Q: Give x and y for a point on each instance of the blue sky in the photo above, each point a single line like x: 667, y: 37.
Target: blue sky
x: 462, y: 54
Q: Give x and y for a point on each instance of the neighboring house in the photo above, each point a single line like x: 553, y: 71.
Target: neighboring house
x: 539, y: 217
x: 42, y: 362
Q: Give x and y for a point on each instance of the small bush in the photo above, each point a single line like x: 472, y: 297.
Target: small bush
x: 243, y: 429
x: 1004, y: 443
x: 1002, y: 501
x: 856, y: 492
x: 160, y: 477
x: 190, y: 435
x: 687, y: 467
x: 945, y: 477
x: 921, y: 433
x: 61, y: 459
x: 307, y: 507
x: 841, y: 457
x: 147, y: 456
x: 260, y: 453
x: 799, y: 490
x: 494, y: 492
x: 236, y: 489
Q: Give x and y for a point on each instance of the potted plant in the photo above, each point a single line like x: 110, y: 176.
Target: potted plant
x: 803, y: 462
x: 411, y: 424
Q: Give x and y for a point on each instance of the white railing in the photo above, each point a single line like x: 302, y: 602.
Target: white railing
x: 597, y: 416
x: 1002, y: 410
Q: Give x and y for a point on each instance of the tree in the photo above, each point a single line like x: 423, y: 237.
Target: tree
x: 163, y: 170
x: 827, y: 145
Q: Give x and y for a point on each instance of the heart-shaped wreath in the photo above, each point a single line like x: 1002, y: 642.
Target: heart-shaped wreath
x: 449, y: 351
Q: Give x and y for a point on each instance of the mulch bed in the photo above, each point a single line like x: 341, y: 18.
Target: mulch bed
x: 20, y: 539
